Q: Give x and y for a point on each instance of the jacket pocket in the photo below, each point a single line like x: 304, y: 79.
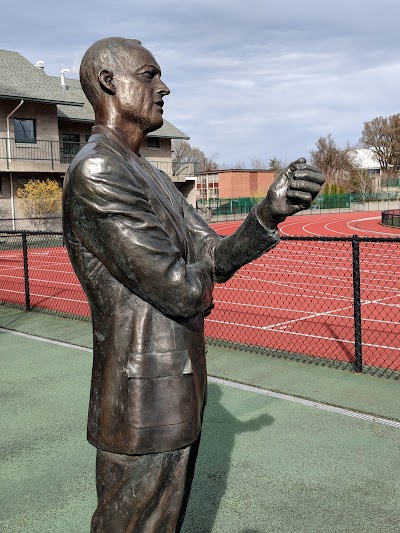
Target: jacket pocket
x: 157, y: 365
x: 160, y: 389
x: 161, y: 401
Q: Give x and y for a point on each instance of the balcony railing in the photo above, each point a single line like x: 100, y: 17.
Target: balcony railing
x: 54, y: 152
x: 63, y: 152
x: 174, y: 169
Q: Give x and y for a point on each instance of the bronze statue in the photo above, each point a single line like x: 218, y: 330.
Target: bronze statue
x: 148, y: 262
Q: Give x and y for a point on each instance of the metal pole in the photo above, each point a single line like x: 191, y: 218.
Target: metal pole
x: 357, y: 302
x: 26, y: 271
x: 8, y: 133
x: 52, y: 156
x: 12, y: 200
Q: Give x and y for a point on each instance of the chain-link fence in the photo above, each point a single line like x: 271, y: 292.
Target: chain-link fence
x: 335, y: 301
x: 227, y: 209
x: 391, y: 218
x: 332, y: 301
x: 36, y: 273
x: 53, y: 224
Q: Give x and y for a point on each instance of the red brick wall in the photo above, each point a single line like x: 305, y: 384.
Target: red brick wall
x: 243, y: 183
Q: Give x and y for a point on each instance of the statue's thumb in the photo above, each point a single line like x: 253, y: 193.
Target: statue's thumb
x: 299, y: 161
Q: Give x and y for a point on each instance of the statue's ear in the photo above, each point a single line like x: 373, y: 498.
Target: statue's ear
x: 106, y: 81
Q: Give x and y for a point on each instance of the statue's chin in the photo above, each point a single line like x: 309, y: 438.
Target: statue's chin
x: 153, y: 126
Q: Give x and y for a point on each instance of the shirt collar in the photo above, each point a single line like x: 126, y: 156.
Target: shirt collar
x: 108, y: 132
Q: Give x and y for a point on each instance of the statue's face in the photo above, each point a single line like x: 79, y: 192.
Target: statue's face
x: 139, y: 90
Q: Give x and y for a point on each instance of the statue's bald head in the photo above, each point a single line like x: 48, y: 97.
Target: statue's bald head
x: 111, y: 53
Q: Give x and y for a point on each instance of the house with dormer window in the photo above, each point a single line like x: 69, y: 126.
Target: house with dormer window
x: 45, y: 120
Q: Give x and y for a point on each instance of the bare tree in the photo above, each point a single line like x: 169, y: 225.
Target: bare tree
x: 361, y: 183
x: 336, y: 163
x: 257, y: 163
x: 277, y: 165
x: 382, y: 136
x: 238, y: 165
x: 184, y: 154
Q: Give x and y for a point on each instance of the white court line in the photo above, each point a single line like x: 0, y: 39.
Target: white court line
x: 303, y: 318
x: 327, y: 313
x: 306, y: 403
x: 269, y: 307
x: 298, y: 273
x: 344, y: 341
x: 40, y: 280
x: 226, y: 323
x: 308, y: 335
x: 43, y: 339
x: 383, y: 322
x: 240, y: 386
x: 45, y: 296
x: 294, y: 294
x: 12, y: 257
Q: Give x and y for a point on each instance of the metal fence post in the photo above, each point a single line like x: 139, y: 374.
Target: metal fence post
x: 52, y: 155
x: 355, y: 242
x: 26, y: 271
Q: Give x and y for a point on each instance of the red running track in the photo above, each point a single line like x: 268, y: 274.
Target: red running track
x: 299, y: 297
x: 296, y: 298
x: 329, y: 225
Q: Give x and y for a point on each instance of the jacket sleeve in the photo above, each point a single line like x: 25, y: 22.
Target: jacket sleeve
x: 115, y: 222
x: 228, y: 254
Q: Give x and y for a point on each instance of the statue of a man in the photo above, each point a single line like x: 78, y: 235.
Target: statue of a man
x: 148, y: 263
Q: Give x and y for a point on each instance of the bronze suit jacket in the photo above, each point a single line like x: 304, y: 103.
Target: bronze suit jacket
x: 147, y: 262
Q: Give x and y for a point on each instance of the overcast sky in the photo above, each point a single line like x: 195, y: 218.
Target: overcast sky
x: 248, y: 78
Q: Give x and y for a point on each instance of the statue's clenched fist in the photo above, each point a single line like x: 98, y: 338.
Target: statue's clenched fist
x: 293, y: 191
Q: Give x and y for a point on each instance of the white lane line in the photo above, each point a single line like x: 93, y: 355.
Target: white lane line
x: 284, y: 331
x: 342, y: 341
x: 381, y: 233
x: 45, y: 296
x: 248, y: 388
x: 326, y: 313
x: 307, y: 403
x: 303, y: 318
x: 45, y: 281
x: 48, y: 341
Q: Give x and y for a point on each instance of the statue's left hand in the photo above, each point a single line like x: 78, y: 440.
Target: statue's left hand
x: 293, y: 191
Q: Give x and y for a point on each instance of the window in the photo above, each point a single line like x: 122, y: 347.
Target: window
x: 153, y: 142
x: 25, y: 130
x: 70, y: 146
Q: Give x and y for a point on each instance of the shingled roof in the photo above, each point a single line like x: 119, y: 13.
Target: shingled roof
x: 21, y: 79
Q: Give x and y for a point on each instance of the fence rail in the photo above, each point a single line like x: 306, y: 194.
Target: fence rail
x: 41, y: 150
x: 225, y: 209
x: 52, y: 224
x: 55, y: 153
x: 391, y: 218
x: 327, y: 300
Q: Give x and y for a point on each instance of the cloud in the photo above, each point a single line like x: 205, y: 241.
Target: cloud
x: 247, y: 79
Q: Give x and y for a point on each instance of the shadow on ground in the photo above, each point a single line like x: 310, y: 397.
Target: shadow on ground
x: 219, y: 432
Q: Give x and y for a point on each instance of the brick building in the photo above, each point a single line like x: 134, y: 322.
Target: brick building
x: 233, y: 183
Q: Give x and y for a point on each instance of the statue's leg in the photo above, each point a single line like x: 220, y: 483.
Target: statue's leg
x: 194, y: 448
x: 142, y: 493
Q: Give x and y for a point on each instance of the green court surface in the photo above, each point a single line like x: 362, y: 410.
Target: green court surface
x: 268, y: 462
